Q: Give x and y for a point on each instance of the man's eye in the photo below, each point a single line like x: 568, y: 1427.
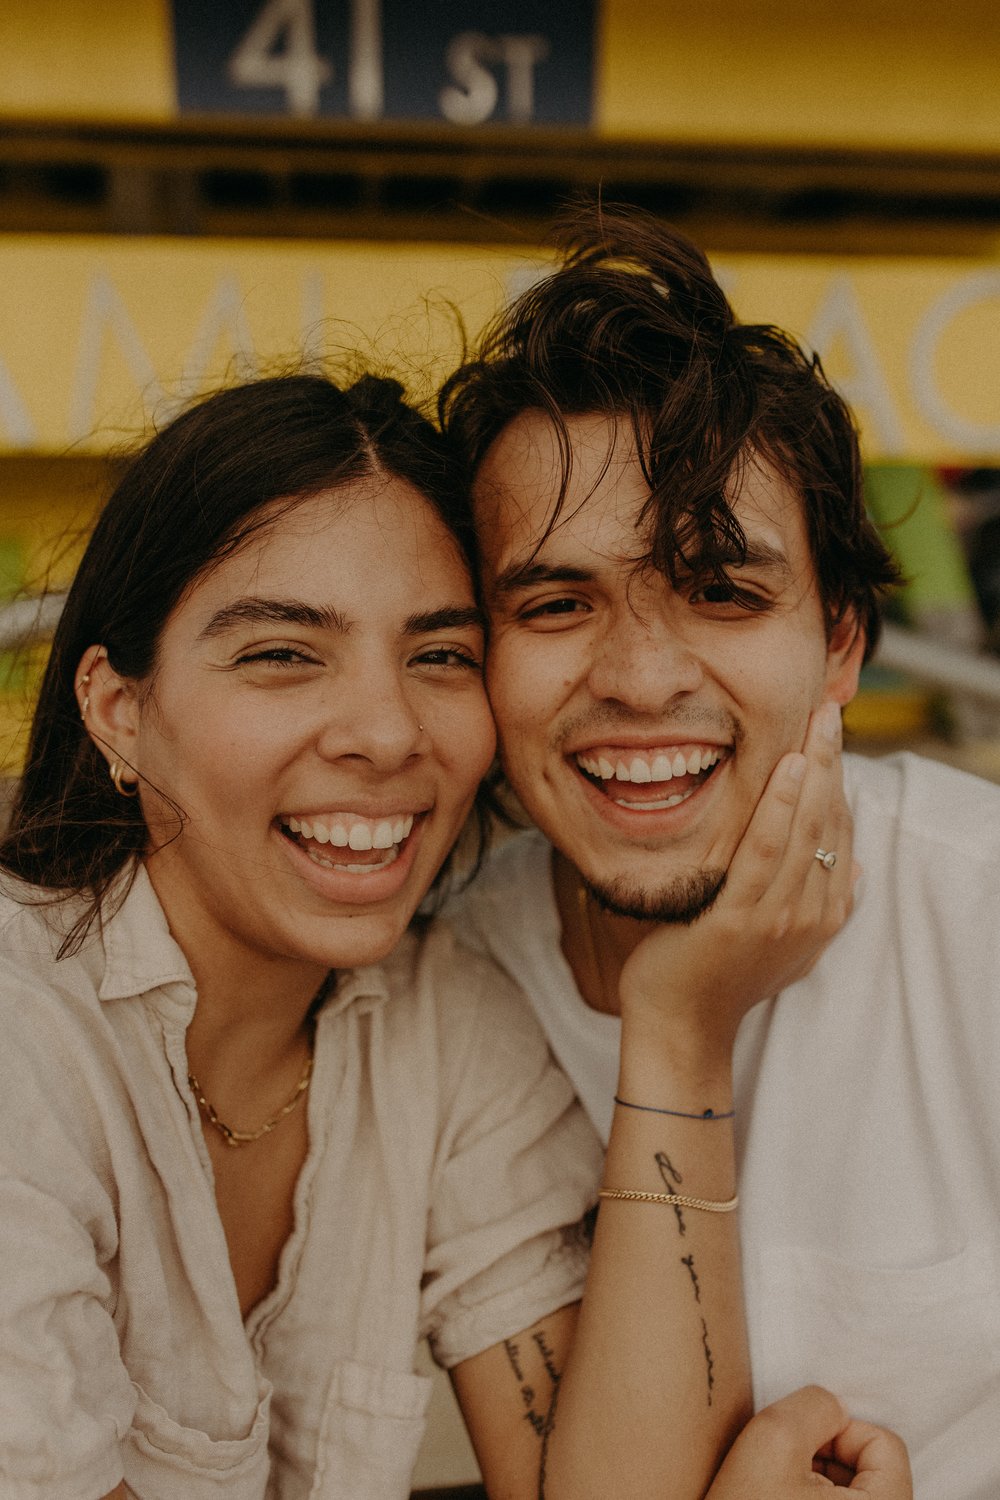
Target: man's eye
x: 741, y: 598
x: 713, y: 593
x: 552, y: 607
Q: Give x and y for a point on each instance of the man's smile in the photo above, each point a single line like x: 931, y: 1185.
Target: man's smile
x: 638, y: 779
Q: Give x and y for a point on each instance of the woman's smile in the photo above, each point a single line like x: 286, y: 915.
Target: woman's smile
x: 321, y: 686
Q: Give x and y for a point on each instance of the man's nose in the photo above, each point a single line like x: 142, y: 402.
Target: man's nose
x: 643, y: 661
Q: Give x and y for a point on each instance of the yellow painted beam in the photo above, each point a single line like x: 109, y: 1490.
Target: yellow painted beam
x: 70, y: 60
x: 906, y: 74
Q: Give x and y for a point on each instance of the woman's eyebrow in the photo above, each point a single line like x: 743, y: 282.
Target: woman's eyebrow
x: 449, y: 617
x: 253, y: 611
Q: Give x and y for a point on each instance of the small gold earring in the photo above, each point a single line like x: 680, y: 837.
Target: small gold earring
x: 117, y: 771
x: 85, y: 705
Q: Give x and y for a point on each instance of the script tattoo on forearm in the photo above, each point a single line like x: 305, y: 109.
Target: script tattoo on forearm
x: 550, y: 1423
x: 539, y: 1421
x: 672, y: 1180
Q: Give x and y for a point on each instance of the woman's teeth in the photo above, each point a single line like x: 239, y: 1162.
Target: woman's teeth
x: 350, y: 831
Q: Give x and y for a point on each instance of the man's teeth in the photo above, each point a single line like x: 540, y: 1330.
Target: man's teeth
x: 661, y: 765
x: 351, y: 831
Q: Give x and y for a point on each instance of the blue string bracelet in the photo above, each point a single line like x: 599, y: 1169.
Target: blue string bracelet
x: 680, y: 1114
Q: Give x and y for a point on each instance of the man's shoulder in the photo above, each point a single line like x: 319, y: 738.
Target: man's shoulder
x: 915, y: 801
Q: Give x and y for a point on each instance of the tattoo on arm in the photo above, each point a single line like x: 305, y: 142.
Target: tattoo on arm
x: 550, y: 1422
x: 672, y: 1180
x: 537, y: 1420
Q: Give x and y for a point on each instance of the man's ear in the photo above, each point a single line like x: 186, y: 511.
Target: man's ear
x: 844, y: 656
x: 108, y: 707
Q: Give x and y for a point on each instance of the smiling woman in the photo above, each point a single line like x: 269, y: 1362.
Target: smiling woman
x: 227, y: 1212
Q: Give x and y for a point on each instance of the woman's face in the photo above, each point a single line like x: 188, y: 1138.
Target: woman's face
x: 318, y: 715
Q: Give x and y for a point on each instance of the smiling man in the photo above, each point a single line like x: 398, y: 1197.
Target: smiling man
x: 681, y: 577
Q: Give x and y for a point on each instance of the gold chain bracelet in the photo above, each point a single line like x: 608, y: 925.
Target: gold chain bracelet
x: 680, y: 1200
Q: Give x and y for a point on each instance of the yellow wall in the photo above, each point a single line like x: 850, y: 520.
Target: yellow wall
x: 99, y: 335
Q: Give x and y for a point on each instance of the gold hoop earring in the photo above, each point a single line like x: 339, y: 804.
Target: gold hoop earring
x: 117, y: 771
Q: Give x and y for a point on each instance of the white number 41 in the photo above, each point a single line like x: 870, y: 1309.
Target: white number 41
x: 261, y: 61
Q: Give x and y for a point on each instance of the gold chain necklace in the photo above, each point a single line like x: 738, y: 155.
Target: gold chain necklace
x: 245, y: 1137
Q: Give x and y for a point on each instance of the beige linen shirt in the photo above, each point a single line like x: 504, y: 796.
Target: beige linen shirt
x: 445, y: 1153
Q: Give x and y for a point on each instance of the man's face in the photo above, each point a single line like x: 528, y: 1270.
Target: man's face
x: 639, y: 723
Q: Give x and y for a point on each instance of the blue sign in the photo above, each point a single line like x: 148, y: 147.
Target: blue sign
x: 469, y: 62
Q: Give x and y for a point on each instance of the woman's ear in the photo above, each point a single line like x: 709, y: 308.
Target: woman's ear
x: 108, y: 707
x: 844, y: 656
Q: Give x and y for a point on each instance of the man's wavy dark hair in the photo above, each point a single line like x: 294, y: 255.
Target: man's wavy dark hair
x: 634, y: 325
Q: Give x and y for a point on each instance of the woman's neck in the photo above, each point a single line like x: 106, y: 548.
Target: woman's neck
x: 253, y: 1008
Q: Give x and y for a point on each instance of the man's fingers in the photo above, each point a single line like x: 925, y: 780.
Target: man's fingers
x: 764, y: 846
x: 802, y: 809
x: 879, y: 1459
x: 778, y: 1445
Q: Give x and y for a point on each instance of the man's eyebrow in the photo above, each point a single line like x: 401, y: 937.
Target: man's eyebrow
x: 526, y: 575
x: 757, y: 554
x: 449, y: 617
x: 253, y: 611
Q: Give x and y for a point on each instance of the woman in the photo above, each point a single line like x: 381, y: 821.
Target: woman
x: 247, y: 1163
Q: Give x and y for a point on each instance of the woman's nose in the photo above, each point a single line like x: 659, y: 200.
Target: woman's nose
x: 375, y: 718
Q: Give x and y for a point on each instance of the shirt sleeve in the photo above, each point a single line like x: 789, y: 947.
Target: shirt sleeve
x: 517, y: 1169
x: 66, y: 1400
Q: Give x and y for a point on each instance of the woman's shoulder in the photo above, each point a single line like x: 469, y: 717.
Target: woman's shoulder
x: 32, y: 931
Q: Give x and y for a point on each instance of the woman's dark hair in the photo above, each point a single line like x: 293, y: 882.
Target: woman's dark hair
x: 199, y: 490
x: 634, y: 326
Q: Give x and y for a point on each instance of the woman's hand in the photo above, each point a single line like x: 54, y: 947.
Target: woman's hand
x: 777, y: 1454
x: 777, y: 911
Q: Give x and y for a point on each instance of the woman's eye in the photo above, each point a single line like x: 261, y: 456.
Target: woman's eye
x: 279, y: 656
x: 448, y: 656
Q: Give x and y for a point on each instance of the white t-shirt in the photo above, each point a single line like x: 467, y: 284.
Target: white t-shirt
x: 445, y: 1152
x: 868, y: 1118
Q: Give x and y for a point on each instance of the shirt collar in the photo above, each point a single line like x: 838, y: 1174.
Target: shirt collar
x: 141, y: 955
x: 139, y: 952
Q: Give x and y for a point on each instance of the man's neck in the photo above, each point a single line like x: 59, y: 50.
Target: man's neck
x: 595, y: 943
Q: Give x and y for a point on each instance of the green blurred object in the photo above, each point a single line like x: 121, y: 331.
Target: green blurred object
x: 13, y: 565
x: 909, y: 505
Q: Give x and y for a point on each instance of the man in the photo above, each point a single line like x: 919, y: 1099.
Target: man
x: 679, y: 574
